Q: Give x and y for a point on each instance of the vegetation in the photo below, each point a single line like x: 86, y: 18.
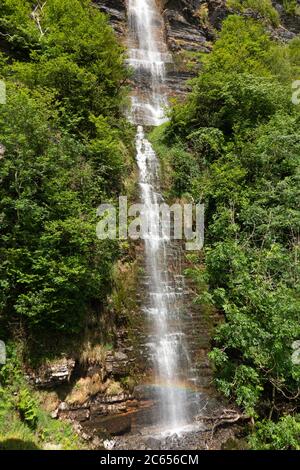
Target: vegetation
x: 23, y: 423
x: 65, y: 149
x: 263, y: 8
x: 235, y: 146
x: 291, y: 7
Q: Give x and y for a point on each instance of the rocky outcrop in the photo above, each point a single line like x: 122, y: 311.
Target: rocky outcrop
x: 191, y: 27
x: 116, y: 10
x: 183, y: 29
x: 93, y: 396
x: 290, y: 21
x: 190, y: 24
x: 52, y: 375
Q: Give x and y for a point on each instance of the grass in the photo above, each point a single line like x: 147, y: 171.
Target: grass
x: 85, y: 388
x: 114, y: 388
x: 92, y: 354
x: 17, y: 435
x: 23, y: 423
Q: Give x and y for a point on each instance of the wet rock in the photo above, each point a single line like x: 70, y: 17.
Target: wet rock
x: 109, y: 444
x: 153, y: 443
x: 172, y: 442
x: 120, y: 397
x: 116, y: 425
x: 132, y: 404
x: 145, y: 392
x: 63, y: 406
x: 105, y: 409
x: 79, y: 415
x: 97, y: 443
x: 116, y: 10
x: 82, y: 415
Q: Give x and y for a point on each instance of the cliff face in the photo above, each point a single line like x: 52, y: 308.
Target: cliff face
x: 183, y: 28
x: 188, y: 28
x: 116, y: 10
x: 190, y: 23
x: 191, y: 27
x: 291, y: 22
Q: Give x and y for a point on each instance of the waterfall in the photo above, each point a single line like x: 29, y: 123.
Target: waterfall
x: 148, y: 56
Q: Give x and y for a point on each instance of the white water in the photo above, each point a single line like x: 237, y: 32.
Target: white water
x: 148, y: 56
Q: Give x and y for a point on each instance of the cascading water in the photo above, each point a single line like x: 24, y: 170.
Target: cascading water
x: 148, y: 56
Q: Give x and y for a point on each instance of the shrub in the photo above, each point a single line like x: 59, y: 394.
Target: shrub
x: 283, y: 435
x: 27, y: 408
x: 263, y: 7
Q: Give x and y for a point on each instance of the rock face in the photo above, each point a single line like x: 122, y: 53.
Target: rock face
x: 291, y: 22
x: 189, y: 28
x: 50, y: 376
x: 183, y: 27
x: 116, y: 10
x: 191, y: 25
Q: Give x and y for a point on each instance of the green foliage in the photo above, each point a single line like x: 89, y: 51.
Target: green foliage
x: 183, y: 167
x: 17, y: 27
x: 54, y: 265
x: 23, y: 424
x: 263, y: 7
x: 284, y: 435
x: 78, y: 57
x: 243, y: 47
x: 66, y: 150
x: 291, y: 7
x: 242, y: 136
x: 27, y: 408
